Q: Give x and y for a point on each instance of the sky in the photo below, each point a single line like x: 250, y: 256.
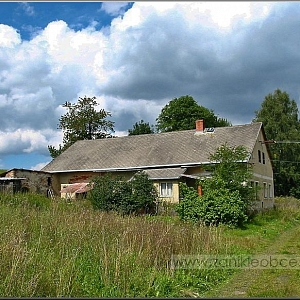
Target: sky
x: 135, y: 57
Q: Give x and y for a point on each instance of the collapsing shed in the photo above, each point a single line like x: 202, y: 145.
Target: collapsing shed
x: 23, y: 180
x: 11, y: 185
x: 75, y: 190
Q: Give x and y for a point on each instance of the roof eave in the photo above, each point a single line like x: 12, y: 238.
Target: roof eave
x: 183, y: 165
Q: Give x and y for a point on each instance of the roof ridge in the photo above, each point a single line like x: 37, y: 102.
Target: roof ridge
x: 167, y: 133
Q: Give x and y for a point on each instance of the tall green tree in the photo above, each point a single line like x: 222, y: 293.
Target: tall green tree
x: 230, y: 167
x: 141, y: 128
x: 82, y: 122
x: 279, y: 115
x: 181, y: 114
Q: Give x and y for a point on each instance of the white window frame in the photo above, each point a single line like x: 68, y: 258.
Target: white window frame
x: 166, y: 189
x: 265, y: 190
x: 270, y: 191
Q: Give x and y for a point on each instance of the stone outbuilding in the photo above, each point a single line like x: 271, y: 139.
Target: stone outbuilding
x: 24, y: 180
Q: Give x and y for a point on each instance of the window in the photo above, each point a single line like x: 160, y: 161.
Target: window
x: 166, y: 189
x: 270, y: 191
x: 265, y: 190
x: 263, y: 158
x: 259, y: 156
x: 256, y: 190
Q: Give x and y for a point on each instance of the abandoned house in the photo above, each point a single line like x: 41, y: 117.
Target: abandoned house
x: 168, y: 158
x: 23, y: 180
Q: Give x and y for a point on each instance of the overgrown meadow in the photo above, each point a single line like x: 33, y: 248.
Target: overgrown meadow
x: 51, y: 248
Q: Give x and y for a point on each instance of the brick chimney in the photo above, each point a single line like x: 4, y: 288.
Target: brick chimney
x: 200, y: 125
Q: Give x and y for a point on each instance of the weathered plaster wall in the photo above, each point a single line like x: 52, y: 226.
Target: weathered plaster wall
x: 36, y: 182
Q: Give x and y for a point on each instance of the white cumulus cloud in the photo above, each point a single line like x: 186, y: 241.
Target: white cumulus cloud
x: 9, y: 37
x: 227, y: 55
x: 114, y: 8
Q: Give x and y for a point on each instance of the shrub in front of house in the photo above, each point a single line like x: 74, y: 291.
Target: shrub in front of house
x: 126, y: 197
x: 214, y: 207
x: 226, y: 195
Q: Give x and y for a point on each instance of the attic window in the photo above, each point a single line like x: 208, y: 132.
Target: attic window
x: 209, y: 129
x: 259, y: 156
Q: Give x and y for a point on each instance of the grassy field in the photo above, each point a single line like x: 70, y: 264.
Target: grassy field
x: 270, y: 282
x: 57, y: 249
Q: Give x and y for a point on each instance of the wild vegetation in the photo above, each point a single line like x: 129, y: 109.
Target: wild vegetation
x: 59, y: 249
x: 126, y: 197
x: 227, y: 195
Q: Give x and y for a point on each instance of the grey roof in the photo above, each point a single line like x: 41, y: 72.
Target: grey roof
x: 165, y: 173
x: 170, y: 149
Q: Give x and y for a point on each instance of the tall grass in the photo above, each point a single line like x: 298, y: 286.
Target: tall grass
x: 57, y: 249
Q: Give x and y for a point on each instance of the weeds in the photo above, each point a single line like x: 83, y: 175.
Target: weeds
x: 58, y: 249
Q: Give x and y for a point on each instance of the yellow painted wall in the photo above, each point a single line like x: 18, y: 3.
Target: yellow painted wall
x: 262, y: 173
x: 175, y: 196
x: 60, y: 179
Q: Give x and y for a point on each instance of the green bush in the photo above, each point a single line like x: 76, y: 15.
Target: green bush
x: 226, y: 196
x: 216, y: 206
x: 127, y: 197
x: 144, y: 194
x: 188, y: 207
x: 104, y: 195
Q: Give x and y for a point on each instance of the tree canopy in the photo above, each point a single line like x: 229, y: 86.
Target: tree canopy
x: 82, y: 122
x: 279, y: 115
x: 181, y: 114
x: 141, y: 128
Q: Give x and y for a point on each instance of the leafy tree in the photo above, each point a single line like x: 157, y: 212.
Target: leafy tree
x: 126, y: 197
x: 181, y: 114
x: 227, y: 196
x: 230, y: 167
x: 141, y: 128
x: 279, y: 114
x: 82, y: 122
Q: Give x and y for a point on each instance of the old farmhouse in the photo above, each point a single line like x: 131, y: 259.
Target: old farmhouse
x: 168, y: 158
